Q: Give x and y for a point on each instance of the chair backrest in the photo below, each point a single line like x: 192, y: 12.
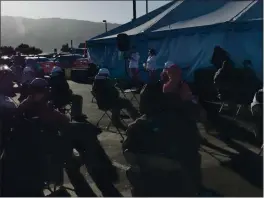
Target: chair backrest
x: 102, y: 95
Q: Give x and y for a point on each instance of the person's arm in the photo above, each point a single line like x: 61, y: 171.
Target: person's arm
x: 54, y: 118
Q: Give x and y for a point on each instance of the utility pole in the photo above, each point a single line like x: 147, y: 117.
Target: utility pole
x: 71, y: 47
x: 105, y: 22
x: 134, y: 10
x: 146, y: 6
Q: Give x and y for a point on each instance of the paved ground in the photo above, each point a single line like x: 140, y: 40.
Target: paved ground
x: 232, y: 168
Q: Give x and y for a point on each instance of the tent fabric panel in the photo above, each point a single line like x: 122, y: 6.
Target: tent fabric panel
x: 196, y: 50
x: 147, y: 24
x: 255, y: 12
x: 133, y: 24
x: 206, y: 13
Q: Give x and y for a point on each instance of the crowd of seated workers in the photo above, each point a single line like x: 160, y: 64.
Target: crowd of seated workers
x: 157, y: 138
x: 167, y: 117
x: 238, y: 86
x: 21, y: 134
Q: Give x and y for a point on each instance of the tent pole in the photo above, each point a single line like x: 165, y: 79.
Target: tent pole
x: 146, y: 6
x: 134, y: 10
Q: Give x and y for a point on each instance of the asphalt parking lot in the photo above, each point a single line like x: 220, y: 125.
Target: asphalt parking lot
x: 230, y: 168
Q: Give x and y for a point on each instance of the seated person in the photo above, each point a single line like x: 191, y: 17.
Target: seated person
x: 107, y: 97
x: 7, y: 104
x: 257, y: 112
x: 175, y: 85
x: 224, y: 79
x: 165, y: 131
x: 28, y: 74
x: 60, y: 89
x: 36, y: 105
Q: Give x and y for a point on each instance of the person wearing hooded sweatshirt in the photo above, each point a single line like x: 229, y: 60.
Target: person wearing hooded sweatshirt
x: 107, y: 95
x: 164, y: 131
x: 175, y: 85
x: 60, y: 89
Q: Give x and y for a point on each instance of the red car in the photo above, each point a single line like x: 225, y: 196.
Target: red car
x: 46, y: 64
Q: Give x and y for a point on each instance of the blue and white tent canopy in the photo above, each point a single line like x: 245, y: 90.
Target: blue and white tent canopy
x: 186, y: 32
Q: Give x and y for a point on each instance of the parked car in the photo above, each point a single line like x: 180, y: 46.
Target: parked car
x: 46, y: 63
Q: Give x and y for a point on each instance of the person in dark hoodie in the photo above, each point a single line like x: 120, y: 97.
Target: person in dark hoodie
x: 107, y: 96
x: 166, y: 134
x: 60, y: 89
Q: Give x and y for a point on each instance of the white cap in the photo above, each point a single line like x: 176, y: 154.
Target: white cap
x: 104, y: 71
x: 27, y: 69
x: 56, y: 69
x: 168, y: 64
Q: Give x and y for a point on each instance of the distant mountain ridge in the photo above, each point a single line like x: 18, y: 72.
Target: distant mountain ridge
x: 48, y: 33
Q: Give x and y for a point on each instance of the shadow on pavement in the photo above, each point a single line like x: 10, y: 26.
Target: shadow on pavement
x: 247, y: 164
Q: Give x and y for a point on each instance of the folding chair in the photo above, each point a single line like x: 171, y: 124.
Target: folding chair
x: 261, y: 150
x: 93, y: 97
x: 133, y: 91
x: 106, y: 113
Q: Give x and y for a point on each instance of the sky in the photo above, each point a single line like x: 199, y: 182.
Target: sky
x: 112, y: 11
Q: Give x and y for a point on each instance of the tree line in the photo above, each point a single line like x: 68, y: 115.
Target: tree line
x: 22, y: 48
x: 30, y: 50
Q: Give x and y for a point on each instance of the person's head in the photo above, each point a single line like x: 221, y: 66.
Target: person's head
x: 173, y: 71
x: 103, y: 72
x: 39, y: 89
x: 247, y: 63
x: 152, y: 52
x: 219, y: 56
x: 56, y: 71
x: 6, y: 80
x: 32, y: 63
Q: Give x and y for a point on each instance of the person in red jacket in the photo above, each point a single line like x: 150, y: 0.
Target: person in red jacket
x: 176, y: 85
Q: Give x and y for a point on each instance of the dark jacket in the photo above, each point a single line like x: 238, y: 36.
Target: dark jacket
x: 60, y: 90
x: 105, y: 93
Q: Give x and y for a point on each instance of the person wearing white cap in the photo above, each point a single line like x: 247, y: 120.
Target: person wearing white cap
x: 56, y: 70
x: 6, y: 89
x: 107, y: 97
x: 103, y: 73
x: 60, y: 90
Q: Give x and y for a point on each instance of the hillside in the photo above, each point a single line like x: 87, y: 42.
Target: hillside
x: 48, y: 34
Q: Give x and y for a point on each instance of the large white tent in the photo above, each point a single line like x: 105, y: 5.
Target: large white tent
x: 186, y: 32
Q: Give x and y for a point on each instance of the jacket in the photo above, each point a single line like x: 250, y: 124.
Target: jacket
x: 105, y: 92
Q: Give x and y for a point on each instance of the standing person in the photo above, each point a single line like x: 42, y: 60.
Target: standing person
x: 133, y: 65
x: 150, y: 65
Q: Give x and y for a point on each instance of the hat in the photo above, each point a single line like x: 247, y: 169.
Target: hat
x: 4, y: 71
x: 56, y: 70
x: 39, y: 83
x: 169, y: 64
x: 104, y: 71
